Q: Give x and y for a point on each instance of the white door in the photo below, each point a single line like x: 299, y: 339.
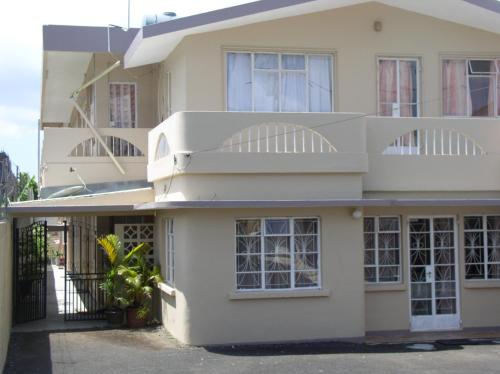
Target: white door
x: 433, y: 274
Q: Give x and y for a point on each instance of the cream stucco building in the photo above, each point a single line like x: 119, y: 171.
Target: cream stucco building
x: 306, y: 169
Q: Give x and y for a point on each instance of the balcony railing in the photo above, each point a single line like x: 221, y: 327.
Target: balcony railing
x: 392, y: 154
x: 224, y: 142
x: 77, y: 148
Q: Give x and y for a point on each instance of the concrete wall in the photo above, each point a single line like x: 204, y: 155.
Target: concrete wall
x: 207, y: 310
x: 5, y: 288
x: 387, y: 306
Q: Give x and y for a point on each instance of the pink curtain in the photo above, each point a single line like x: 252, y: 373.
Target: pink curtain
x: 122, y: 105
x: 113, y: 95
x: 388, y: 93
x: 492, y: 89
x: 455, y: 95
x: 406, y: 71
x: 498, y: 87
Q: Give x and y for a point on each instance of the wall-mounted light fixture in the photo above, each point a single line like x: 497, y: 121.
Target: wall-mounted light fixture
x: 377, y: 26
x: 357, y: 213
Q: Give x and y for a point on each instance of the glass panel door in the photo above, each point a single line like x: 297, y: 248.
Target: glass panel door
x: 433, y: 290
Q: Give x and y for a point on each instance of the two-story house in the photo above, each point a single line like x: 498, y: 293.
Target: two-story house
x: 309, y: 169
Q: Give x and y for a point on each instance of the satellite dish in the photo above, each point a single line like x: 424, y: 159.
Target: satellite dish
x: 70, y: 191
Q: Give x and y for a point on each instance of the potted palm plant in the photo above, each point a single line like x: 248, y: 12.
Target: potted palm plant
x: 112, y: 285
x: 140, y: 278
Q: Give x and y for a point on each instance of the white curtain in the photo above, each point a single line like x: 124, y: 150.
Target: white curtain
x: 266, y: 61
x: 265, y: 86
x: 266, y: 91
x: 293, y: 83
x: 320, y: 83
x: 293, y: 92
x: 239, y: 82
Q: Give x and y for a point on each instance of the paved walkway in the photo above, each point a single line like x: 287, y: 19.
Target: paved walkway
x: 153, y: 351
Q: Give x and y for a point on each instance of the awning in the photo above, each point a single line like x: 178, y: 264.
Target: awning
x: 108, y: 203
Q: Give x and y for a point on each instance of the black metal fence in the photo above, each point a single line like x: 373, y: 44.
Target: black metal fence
x: 85, y: 270
x: 30, y: 272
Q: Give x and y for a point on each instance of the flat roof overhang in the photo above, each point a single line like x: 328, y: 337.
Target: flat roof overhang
x: 106, y: 203
x: 233, y: 204
x: 150, y: 208
x: 73, y: 210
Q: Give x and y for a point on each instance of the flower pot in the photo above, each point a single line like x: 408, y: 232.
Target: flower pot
x: 133, y: 321
x: 114, y: 317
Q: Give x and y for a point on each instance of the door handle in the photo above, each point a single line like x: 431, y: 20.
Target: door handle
x: 428, y: 273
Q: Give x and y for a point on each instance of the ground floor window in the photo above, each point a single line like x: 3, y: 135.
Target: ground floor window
x: 382, y: 238
x: 133, y: 234
x: 482, y: 247
x: 169, y: 250
x: 277, y: 253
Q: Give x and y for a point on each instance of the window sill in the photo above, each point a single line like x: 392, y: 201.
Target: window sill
x: 250, y: 295
x: 165, y: 288
x: 482, y: 283
x: 385, y: 287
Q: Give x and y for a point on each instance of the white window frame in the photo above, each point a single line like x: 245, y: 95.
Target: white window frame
x: 486, y: 262
x: 169, y: 251
x: 292, y: 270
x: 280, y: 71
x: 467, y: 76
x: 398, y: 60
x: 376, y: 266
x: 136, y: 106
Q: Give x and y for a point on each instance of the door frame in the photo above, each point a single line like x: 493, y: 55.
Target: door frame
x: 433, y: 322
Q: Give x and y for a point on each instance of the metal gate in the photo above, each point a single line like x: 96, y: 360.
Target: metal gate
x: 85, y: 270
x: 30, y: 272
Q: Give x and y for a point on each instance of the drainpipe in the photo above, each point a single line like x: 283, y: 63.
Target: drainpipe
x: 74, y: 98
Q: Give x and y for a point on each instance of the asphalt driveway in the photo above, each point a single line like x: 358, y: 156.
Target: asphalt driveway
x: 153, y: 351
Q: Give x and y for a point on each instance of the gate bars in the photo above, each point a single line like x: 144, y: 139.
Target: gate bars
x: 30, y: 272
x: 85, y: 270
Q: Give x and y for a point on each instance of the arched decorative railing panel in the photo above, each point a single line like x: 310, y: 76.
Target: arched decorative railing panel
x: 93, y: 148
x: 434, y: 142
x: 162, y: 148
x: 277, y: 137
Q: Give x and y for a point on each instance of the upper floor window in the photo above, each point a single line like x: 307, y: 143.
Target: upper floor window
x: 122, y: 105
x: 275, y: 82
x: 471, y: 87
x: 398, y: 87
x: 277, y: 253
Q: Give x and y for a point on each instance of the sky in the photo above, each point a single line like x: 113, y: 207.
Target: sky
x: 21, y: 55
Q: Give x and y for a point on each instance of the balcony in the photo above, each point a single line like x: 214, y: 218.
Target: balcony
x: 65, y: 148
x: 433, y: 154
x: 220, y: 155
